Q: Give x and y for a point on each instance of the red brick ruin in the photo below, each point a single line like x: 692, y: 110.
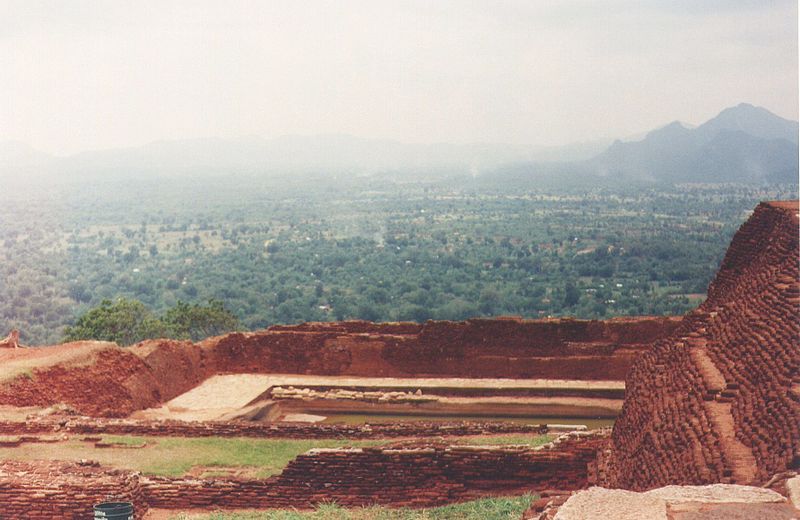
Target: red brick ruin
x: 710, y: 397
x: 115, y: 382
x: 719, y: 400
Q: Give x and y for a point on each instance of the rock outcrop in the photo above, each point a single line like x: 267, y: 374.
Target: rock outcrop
x: 11, y: 341
x: 716, y: 501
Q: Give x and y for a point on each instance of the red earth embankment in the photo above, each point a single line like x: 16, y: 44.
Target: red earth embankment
x: 106, y: 380
x: 719, y: 400
x: 114, y: 382
x: 509, y: 348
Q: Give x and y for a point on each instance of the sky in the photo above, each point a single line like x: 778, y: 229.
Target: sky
x: 83, y: 75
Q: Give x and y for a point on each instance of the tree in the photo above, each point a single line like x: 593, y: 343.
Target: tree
x: 571, y: 295
x: 196, y: 321
x: 124, y: 322
x: 128, y: 321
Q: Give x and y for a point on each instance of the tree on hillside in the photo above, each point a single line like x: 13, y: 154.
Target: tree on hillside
x: 123, y: 321
x: 128, y: 321
x: 571, y: 294
x: 196, y: 321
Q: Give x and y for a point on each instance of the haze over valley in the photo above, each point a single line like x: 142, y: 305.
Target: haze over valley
x: 370, y: 259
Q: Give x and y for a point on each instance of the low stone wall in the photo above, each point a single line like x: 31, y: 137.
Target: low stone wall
x: 93, y: 426
x: 415, y: 477
x: 64, y: 490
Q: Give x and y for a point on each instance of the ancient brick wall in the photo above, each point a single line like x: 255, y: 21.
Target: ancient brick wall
x: 64, y: 490
x: 554, y: 349
x: 95, y: 426
x: 114, y: 382
x: 752, y: 334
x: 414, y: 477
x: 720, y: 399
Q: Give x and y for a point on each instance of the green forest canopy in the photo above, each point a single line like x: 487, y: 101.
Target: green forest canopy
x: 367, y: 248
x: 127, y: 321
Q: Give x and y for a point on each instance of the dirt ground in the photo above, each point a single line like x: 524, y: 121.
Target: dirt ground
x: 22, y: 360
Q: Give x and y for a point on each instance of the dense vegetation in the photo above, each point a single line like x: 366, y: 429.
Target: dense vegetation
x: 371, y: 248
x: 129, y: 321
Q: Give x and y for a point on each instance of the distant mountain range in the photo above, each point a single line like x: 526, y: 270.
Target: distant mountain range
x: 327, y: 154
x: 742, y: 144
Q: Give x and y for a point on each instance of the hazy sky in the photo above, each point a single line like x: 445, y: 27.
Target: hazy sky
x: 78, y: 75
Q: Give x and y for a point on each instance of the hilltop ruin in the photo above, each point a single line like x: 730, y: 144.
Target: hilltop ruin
x: 713, y: 397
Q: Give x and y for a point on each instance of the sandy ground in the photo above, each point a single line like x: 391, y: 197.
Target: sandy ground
x: 19, y: 413
x: 237, y: 390
x: 303, y: 417
x: 221, y: 395
x: 21, y: 360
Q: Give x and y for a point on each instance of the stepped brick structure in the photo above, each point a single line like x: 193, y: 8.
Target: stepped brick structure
x: 719, y: 400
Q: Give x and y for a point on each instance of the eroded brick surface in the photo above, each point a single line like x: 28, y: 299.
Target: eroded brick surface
x: 43, y: 490
x: 114, y: 382
x: 738, y: 419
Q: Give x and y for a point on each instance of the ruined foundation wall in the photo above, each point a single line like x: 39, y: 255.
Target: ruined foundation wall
x: 105, y: 426
x: 417, y: 477
x: 551, y: 349
x: 114, y: 382
x: 719, y: 401
x: 421, y: 477
x: 64, y: 490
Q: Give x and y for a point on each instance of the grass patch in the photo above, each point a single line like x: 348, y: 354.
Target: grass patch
x: 501, y: 508
x: 177, y: 456
x: 128, y: 441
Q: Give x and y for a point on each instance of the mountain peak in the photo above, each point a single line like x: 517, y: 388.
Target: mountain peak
x: 754, y: 120
x: 743, y: 143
